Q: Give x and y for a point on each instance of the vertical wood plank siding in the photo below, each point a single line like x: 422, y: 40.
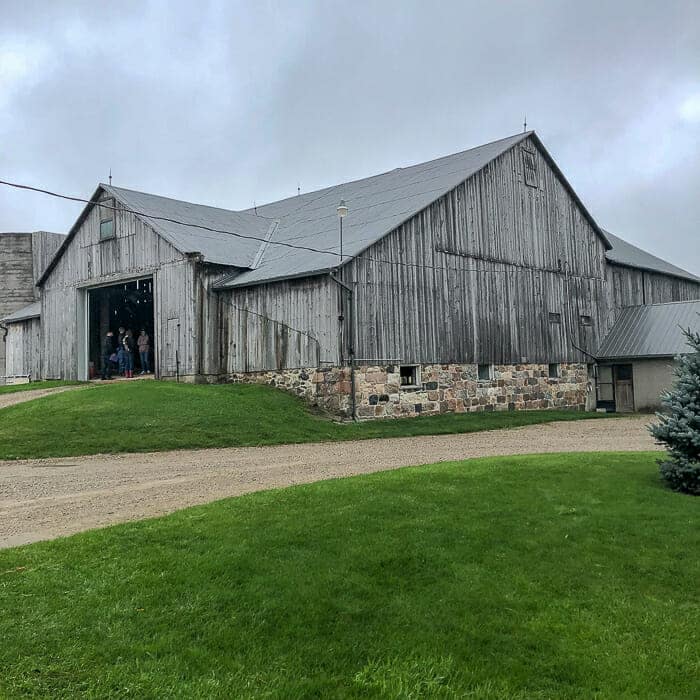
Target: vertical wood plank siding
x: 24, y: 348
x: 512, y: 253
x: 136, y: 251
x: 279, y: 325
x: 629, y: 286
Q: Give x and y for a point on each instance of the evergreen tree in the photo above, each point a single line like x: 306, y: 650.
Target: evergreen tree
x: 679, y: 425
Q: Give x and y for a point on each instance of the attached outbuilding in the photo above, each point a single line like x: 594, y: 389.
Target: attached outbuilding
x: 23, y: 343
x: 637, y: 358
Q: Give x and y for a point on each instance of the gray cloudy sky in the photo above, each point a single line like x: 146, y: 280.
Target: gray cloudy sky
x: 225, y: 103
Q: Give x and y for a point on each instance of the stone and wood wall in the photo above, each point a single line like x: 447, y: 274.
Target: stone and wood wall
x: 449, y: 388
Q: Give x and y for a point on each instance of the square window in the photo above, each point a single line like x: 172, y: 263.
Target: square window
x: 485, y: 372
x: 554, y: 317
x: 586, y: 320
x: 409, y: 375
x: 106, y: 229
x: 553, y: 370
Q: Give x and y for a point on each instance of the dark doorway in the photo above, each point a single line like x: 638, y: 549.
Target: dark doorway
x: 615, y: 387
x: 129, y: 305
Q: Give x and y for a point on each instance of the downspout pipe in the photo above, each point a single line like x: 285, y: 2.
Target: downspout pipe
x: 351, y: 349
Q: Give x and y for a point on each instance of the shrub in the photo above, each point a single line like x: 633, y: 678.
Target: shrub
x: 679, y: 426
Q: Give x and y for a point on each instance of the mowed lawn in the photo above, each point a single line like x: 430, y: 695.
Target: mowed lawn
x: 557, y: 576
x: 152, y: 416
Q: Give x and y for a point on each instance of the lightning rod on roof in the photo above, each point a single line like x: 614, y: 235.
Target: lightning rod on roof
x: 255, y: 206
x: 110, y: 176
x: 525, y: 124
x: 298, y: 190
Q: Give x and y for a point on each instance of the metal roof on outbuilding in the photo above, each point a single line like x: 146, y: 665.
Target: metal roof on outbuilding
x: 655, y: 330
x: 33, y: 310
x: 624, y: 253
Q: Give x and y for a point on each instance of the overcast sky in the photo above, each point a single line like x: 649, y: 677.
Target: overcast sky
x: 229, y: 103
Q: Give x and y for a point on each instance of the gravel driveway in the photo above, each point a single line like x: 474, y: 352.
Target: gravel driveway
x: 43, y: 499
x: 16, y: 397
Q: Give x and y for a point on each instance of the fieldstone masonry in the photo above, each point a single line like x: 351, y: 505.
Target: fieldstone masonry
x: 441, y: 389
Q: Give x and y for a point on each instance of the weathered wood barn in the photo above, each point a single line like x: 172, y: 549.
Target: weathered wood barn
x: 23, y: 257
x: 477, y: 281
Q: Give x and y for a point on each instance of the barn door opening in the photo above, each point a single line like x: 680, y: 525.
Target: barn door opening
x: 127, y: 305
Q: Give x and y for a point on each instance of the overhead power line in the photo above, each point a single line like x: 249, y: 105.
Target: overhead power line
x: 346, y: 258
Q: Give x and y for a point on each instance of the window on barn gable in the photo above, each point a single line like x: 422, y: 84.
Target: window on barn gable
x: 586, y: 320
x: 107, y: 227
x: 554, y: 317
x: 530, y: 168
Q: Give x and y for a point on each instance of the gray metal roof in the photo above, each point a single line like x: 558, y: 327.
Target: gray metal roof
x: 216, y: 247
x: 31, y: 311
x: 376, y: 205
x: 624, y: 253
x: 651, y: 331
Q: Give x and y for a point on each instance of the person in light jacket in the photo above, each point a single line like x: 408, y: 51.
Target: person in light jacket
x: 144, y: 343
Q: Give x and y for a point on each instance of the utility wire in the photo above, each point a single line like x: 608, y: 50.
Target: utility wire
x: 346, y: 258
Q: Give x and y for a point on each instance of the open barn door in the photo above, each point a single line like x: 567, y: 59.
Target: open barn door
x: 127, y: 305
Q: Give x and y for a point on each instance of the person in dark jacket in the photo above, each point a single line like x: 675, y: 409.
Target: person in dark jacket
x: 107, y: 352
x: 121, y: 353
x: 129, y: 348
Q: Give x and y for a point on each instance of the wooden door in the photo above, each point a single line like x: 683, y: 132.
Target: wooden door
x: 624, y: 389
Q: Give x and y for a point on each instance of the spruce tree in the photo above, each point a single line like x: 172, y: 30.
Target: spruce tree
x: 679, y: 425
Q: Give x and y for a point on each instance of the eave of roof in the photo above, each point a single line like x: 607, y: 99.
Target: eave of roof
x: 32, y: 310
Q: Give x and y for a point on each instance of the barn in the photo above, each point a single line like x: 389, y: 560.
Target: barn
x: 477, y: 281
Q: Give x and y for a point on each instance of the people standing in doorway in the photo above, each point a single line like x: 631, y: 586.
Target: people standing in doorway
x: 144, y: 343
x: 107, y: 352
x: 121, y: 353
x: 128, y: 344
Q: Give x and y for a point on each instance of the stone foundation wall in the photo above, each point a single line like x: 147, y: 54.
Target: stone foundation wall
x: 441, y: 389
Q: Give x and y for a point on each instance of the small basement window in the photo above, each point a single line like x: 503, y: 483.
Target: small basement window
x: 485, y: 372
x: 586, y: 320
x: 409, y: 375
x: 106, y: 219
x: 554, y: 317
x: 553, y: 370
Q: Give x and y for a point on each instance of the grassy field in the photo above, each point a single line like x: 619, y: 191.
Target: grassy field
x: 557, y: 576
x: 151, y: 416
x: 34, y: 386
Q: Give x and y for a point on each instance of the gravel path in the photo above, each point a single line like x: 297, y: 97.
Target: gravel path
x: 31, y: 394
x: 43, y: 499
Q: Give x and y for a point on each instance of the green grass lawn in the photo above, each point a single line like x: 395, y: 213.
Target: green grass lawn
x: 557, y: 576
x: 150, y: 416
x: 34, y: 386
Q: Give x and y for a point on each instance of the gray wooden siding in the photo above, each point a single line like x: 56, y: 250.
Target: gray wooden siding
x: 279, y: 325
x: 136, y: 251
x: 492, y: 259
x: 632, y: 287
x: 23, y: 345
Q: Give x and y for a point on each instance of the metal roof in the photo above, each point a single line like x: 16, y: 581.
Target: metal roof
x: 651, y: 331
x: 214, y: 246
x: 31, y: 311
x: 624, y: 253
x: 377, y: 205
